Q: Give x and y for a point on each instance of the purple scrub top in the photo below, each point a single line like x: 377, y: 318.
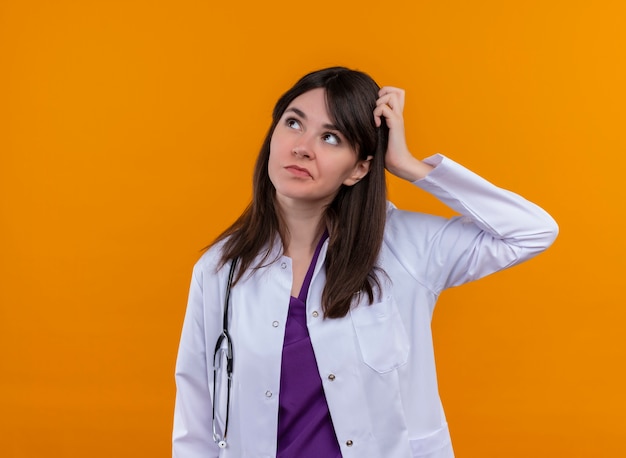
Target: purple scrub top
x: 305, y: 429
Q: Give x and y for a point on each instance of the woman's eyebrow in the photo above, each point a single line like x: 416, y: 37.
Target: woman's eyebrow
x: 298, y: 112
x: 303, y: 116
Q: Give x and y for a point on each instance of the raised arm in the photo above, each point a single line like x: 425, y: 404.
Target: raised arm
x: 497, y: 229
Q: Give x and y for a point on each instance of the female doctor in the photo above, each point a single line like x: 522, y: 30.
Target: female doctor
x: 307, y: 331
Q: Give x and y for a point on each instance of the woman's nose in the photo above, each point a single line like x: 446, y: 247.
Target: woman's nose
x: 303, y: 148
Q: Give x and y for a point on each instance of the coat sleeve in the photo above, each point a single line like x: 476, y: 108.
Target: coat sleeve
x: 496, y: 229
x: 192, y: 432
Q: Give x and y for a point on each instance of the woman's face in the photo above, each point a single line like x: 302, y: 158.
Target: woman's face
x: 309, y: 158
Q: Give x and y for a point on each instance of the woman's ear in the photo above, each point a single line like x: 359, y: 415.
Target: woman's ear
x: 361, y: 169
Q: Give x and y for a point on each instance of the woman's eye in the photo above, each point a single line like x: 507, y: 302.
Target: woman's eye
x: 293, y: 123
x: 331, y: 139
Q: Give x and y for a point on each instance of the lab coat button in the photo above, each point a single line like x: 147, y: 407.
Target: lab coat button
x: 315, y: 314
x: 268, y: 394
x: 349, y: 443
x: 283, y: 265
x: 331, y: 377
x: 275, y: 324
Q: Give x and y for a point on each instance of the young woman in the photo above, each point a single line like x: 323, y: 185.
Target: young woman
x: 333, y: 288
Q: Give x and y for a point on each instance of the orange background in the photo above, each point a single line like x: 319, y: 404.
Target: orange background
x: 128, y: 130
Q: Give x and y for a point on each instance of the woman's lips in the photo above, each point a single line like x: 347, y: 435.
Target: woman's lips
x: 298, y: 171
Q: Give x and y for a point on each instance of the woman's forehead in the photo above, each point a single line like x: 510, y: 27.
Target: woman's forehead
x: 311, y: 106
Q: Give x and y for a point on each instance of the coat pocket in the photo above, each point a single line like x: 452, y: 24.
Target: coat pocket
x: 435, y: 445
x: 381, y: 335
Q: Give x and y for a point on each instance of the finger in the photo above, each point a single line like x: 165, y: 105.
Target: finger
x: 389, y: 108
x: 393, y: 99
x: 383, y: 99
x: 384, y: 111
x: 376, y: 119
x: 389, y: 90
x: 377, y: 115
x: 390, y: 101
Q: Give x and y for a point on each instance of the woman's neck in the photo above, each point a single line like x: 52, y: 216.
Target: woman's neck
x: 305, y: 227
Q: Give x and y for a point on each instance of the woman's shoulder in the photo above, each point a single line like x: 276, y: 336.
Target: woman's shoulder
x: 405, y: 229
x: 397, y: 217
x: 210, y: 260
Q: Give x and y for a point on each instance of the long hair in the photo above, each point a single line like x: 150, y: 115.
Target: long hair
x: 355, y: 219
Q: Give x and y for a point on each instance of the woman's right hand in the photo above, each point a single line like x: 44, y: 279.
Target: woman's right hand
x: 398, y: 159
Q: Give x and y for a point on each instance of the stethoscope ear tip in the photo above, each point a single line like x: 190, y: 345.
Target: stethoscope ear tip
x: 221, y: 444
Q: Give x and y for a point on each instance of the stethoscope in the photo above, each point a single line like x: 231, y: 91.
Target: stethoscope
x: 220, y: 439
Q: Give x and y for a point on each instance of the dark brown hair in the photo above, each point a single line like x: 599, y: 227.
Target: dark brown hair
x: 355, y: 219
